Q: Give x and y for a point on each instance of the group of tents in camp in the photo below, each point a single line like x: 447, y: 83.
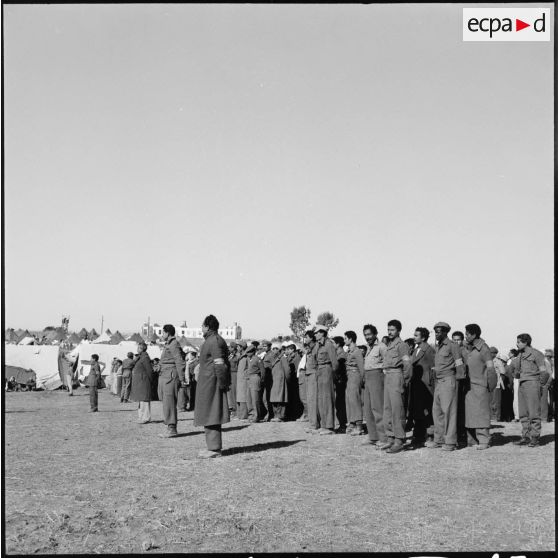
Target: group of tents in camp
x: 32, y: 360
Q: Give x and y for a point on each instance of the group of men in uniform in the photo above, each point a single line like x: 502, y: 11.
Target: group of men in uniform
x: 443, y: 393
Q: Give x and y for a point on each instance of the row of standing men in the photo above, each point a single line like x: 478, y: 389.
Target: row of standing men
x: 445, y: 395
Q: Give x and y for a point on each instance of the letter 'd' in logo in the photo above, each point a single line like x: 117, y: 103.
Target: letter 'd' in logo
x: 506, y: 24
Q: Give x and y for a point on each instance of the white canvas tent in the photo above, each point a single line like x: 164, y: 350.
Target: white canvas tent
x: 106, y: 353
x: 103, y: 338
x: 42, y: 359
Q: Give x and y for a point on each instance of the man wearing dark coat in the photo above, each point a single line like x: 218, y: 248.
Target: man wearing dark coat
x: 171, y: 378
x: 267, y: 379
x: 421, y: 389
x: 482, y: 380
x: 214, y: 380
x: 141, y: 384
x: 279, y: 396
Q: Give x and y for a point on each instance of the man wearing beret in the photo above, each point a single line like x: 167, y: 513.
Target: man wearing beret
x: 326, y: 358
x: 397, y: 370
x: 530, y: 369
x: 448, y: 367
x: 214, y: 380
x: 482, y: 381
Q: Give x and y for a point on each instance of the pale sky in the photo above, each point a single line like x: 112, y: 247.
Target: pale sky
x: 173, y: 161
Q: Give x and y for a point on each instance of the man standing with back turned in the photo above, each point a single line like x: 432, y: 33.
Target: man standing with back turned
x: 212, y: 408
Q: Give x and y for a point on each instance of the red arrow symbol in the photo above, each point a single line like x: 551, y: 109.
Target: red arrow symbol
x: 519, y: 25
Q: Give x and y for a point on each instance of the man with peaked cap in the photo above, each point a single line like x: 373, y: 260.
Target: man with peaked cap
x: 212, y: 408
x: 448, y: 367
x: 529, y: 367
x: 397, y: 370
x: 267, y: 378
x: 326, y: 358
x: 311, y: 383
x: 242, y: 382
x: 482, y: 380
x: 279, y: 392
x: 233, y: 362
x: 254, y: 372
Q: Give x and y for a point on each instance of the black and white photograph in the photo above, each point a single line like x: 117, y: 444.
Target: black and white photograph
x: 278, y: 278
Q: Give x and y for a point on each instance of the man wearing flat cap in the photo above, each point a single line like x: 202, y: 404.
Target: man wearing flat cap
x: 449, y: 368
x: 326, y: 357
x: 212, y: 408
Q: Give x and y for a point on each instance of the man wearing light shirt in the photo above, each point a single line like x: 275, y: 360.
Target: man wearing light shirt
x: 496, y: 395
x: 374, y: 388
x: 397, y: 370
x: 449, y: 368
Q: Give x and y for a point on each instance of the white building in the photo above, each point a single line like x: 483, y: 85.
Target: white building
x: 229, y: 332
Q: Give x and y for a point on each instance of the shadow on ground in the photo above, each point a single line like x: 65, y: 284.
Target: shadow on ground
x: 261, y: 447
x: 498, y: 439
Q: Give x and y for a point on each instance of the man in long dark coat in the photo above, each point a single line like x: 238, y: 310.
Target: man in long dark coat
x: 279, y: 396
x: 142, y: 374
x: 214, y: 380
x: 421, y: 389
x: 482, y: 380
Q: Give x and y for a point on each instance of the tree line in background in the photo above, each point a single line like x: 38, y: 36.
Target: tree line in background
x: 300, y: 322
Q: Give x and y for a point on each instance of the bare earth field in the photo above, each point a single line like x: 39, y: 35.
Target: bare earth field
x: 78, y: 482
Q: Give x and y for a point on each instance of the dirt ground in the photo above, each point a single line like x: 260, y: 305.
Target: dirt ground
x: 99, y: 483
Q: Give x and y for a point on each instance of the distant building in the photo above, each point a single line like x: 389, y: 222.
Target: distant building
x: 229, y: 332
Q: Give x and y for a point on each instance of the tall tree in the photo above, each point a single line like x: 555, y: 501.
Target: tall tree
x: 300, y: 320
x: 328, y: 319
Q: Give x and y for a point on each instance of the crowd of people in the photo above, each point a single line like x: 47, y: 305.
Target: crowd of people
x: 447, y: 393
